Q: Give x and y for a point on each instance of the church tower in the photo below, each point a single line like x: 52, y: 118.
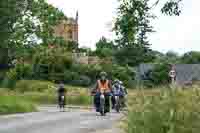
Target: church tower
x: 68, y: 29
x: 77, y: 17
x: 76, y: 29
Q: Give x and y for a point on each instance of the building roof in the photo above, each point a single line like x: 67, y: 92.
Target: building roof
x: 187, y: 72
x: 184, y: 72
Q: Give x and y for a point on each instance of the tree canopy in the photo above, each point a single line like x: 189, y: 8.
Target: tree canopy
x: 105, y: 48
x: 133, y: 25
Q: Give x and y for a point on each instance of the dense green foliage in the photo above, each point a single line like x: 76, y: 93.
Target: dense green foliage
x: 10, y: 12
x: 160, y: 74
x: 105, y: 48
x: 192, y: 57
x: 132, y: 26
x: 164, y: 112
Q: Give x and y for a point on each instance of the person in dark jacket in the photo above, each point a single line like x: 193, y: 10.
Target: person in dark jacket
x: 61, y: 94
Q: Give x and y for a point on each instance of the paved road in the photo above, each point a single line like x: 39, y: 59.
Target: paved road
x: 49, y: 120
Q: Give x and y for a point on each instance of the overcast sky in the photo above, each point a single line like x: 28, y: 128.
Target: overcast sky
x: 180, y: 34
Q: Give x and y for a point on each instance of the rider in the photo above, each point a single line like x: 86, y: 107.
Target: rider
x: 116, y: 91
x: 61, y: 92
x: 123, y: 87
x: 102, y: 83
x: 125, y: 92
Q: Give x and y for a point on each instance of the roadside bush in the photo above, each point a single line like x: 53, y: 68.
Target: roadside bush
x: 82, y: 81
x: 124, y: 74
x: 158, y: 76
x: 166, y: 112
x: 21, y: 71
x: 57, y: 59
x: 93, y: 71
x: 10, y: 79
x: 69, y: 76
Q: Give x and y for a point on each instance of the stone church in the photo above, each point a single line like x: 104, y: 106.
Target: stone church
x: 68, y: 29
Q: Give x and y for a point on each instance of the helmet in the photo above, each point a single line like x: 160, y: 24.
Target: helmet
x: 120, y: 82
x: 61, y: 85
x: 116, y: 81
x: 103, y: 75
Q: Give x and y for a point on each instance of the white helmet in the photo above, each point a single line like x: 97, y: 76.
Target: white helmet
x: 120, y: 82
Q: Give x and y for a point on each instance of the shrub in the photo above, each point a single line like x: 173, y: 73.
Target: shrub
x: 10, y: 79
x: 124, y: 74
x: 56, y: 59
x: 158, y: 76
x: 21, y: 71
x: 69, y: 76
x: 24, y: 71
x: 82, y: 81
x: 33, y: 86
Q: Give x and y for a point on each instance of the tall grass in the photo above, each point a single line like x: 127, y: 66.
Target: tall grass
x: 46, y: 98
x: 165, y: 111
x: 14, y: 104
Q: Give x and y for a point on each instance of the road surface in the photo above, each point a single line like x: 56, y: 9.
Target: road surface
x: 50, y: 120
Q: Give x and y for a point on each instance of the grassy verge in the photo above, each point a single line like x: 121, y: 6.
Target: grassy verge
x: 46, y: 98
x: 14, y: 104
x: 20, y: 103
x: 27, y: 92
x: 164, y: 111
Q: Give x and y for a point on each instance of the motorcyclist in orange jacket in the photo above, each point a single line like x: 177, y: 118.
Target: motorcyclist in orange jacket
x: 103, y: 84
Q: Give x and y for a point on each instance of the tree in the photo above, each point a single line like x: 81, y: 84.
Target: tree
x: 132, y: 27
x: 171, y: 7
x: 192, y: 57
x: 170, y: 57
x: 133, y: 56
x: 37, y: 24
x: 10, y: 12
x: 104, y: 48
x: 35, y: 27
x: 160, y: 74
